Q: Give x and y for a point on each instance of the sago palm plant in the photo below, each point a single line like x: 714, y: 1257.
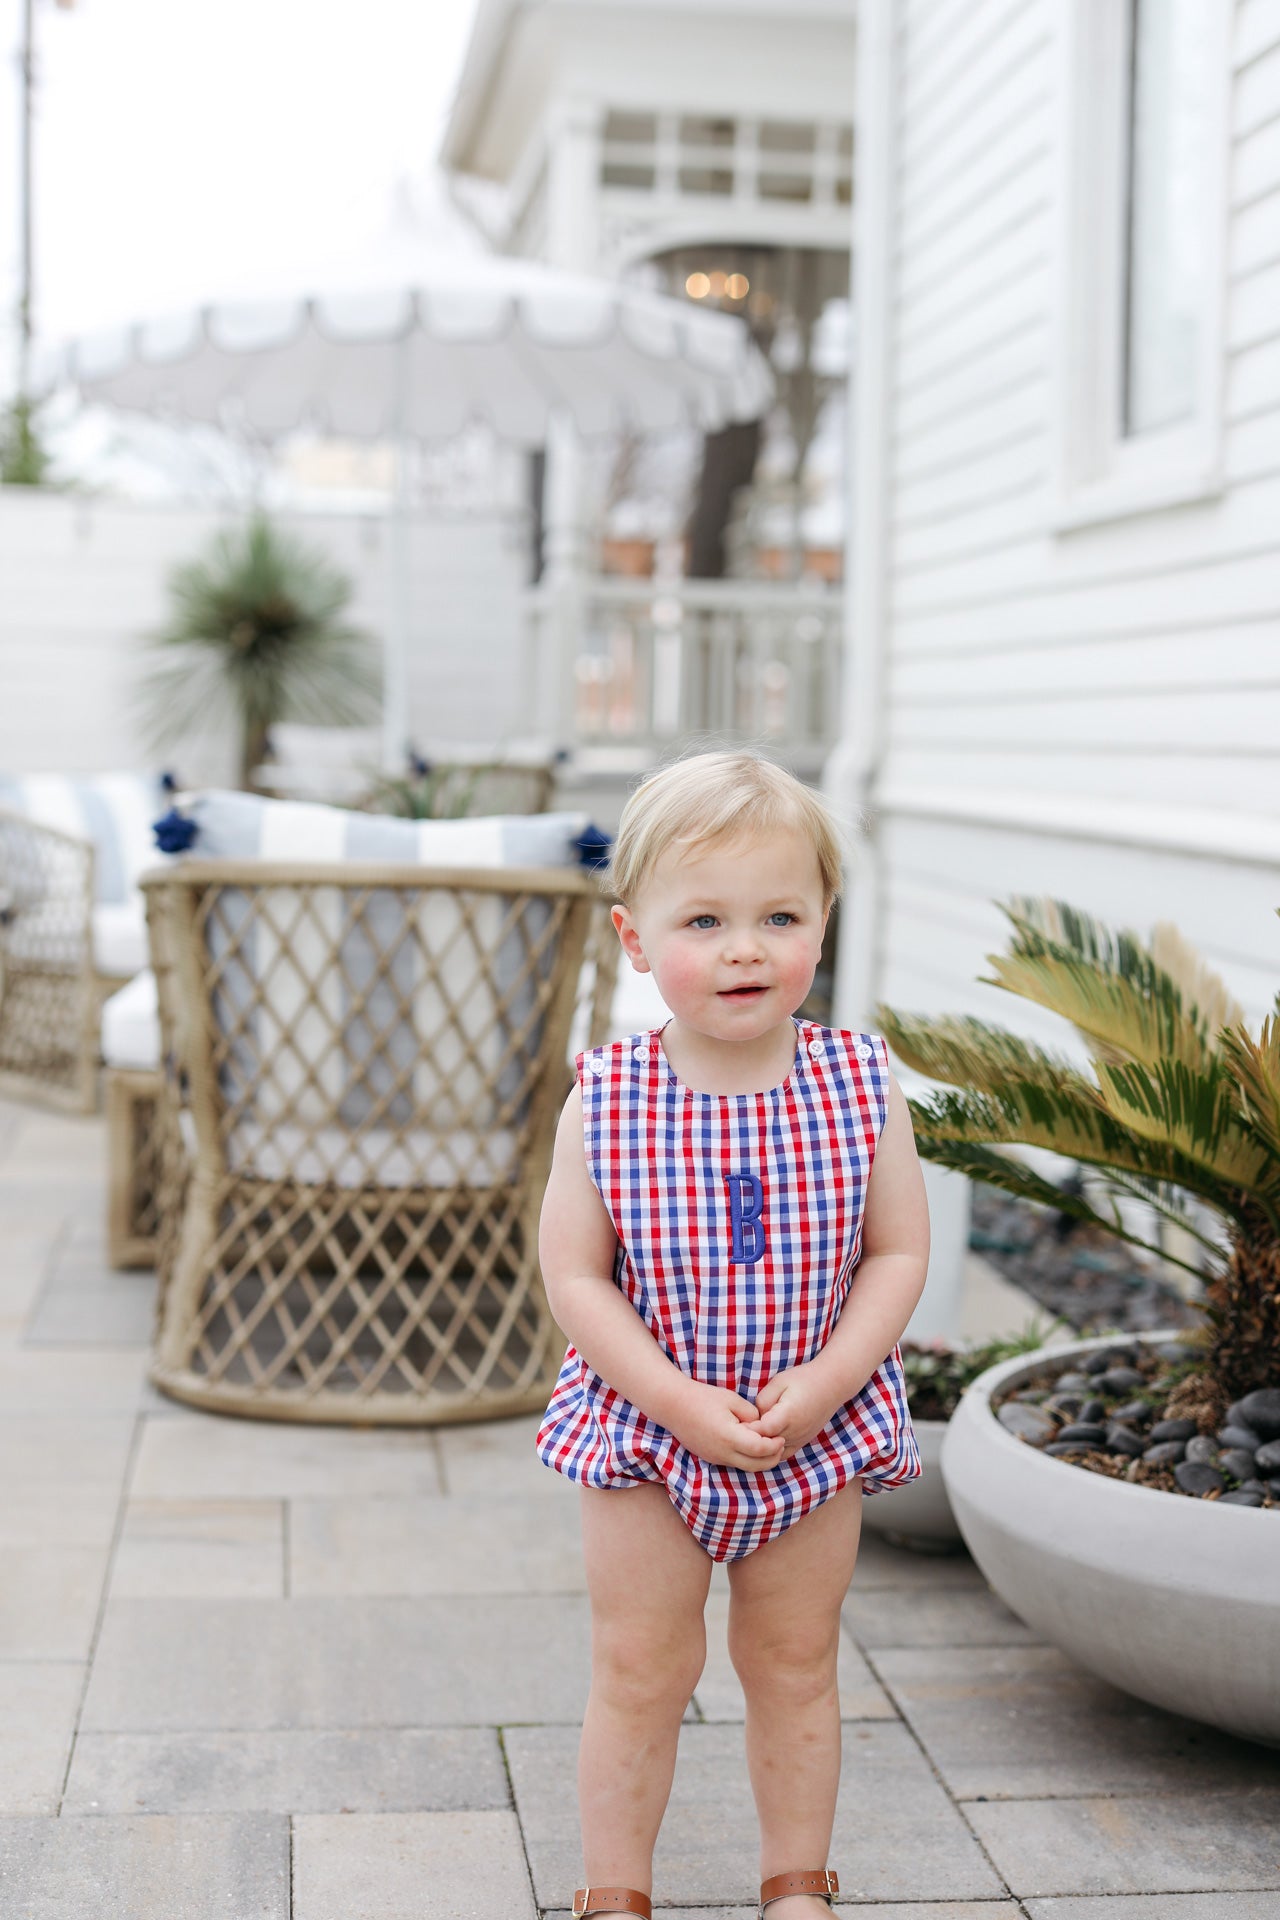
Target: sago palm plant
x: 256, y: 635
x: 1178, y: 1106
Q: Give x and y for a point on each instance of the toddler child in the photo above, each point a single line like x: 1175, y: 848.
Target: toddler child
x: 733, y: 1238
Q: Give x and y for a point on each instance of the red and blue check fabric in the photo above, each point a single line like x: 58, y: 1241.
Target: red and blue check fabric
x: 739, y: 1224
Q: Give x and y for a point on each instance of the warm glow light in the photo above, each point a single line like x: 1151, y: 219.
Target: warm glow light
x: 737, y: 286
x: 697, y: 286
x: 719, y: 282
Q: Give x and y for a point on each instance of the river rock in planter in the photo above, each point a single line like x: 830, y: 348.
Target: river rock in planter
x: 1260, y: 1410
x: 1120, y: 1380
x: 1087, y: 1433
x: 1028, y: 1423
x: 1267, y: 1459
x: 1121, y: 1439
x: 1073, y: 1382
x: 1193, y: 1476
x: 1203, y: 1449
x: 1241, y: 1498
x: 1134, y: 1413
x: 1092, y: 1412
x: 1172, y: 1430
x: 1166, y: 1453
x: 1238, y: 1436
x: 1236, y: 1461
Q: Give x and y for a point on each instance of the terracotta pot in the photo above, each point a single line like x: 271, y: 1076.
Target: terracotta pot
x: 1174, y: 1600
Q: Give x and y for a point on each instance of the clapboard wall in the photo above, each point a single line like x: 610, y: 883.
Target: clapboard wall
x: 83, y: 580
x: 1096, y: 712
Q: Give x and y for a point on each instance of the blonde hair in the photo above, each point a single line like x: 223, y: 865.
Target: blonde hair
x: 713, y: 797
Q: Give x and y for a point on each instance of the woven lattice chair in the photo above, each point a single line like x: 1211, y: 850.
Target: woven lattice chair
x: 50, y: 990
x: 71, y: 922
x: 373, y: 1059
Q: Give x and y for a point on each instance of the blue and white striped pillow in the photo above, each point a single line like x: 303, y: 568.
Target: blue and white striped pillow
x: 114, y: 811
x: 244, y: 826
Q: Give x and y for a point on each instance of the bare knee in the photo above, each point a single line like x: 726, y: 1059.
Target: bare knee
x: 648, y: 1673
x: 775, y: 1658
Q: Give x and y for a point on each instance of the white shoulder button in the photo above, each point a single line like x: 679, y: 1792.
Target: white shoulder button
x: 864, y: 1052
x: 596, y: 1064
x: 816, y: 1048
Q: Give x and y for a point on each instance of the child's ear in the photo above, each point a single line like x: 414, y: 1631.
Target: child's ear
x: 629, y: 937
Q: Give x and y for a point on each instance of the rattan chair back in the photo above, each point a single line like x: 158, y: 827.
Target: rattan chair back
x: 50, y: 997
x: 368, y: 1063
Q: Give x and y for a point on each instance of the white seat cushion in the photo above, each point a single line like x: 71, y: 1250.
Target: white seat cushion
x: 131, y: 1026
x: 412, y: 1159
x: 120, y: 937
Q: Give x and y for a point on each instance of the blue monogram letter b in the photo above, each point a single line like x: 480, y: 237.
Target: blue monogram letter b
x: 746, y: 1203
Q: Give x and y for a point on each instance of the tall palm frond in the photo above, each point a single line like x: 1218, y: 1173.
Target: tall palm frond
x: 1178, y: 1102
x: 1111, y: 988
x: 1256, y: 1066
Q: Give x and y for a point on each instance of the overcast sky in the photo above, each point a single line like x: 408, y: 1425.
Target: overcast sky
x: 178, y: 144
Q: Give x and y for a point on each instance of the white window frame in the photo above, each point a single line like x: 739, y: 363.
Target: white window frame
x: 1100, y: 473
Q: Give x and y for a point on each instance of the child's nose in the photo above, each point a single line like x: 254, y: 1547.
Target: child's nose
x: 743, y: 943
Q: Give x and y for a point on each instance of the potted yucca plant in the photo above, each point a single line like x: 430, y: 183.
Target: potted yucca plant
x: 257, y: 633
x: 1124, y: 1496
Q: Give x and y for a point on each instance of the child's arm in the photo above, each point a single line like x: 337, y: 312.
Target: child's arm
x: 576, y: 1246
x: 798, y: 1403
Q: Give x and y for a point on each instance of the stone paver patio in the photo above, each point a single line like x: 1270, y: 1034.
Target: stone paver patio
x: 260, y: 1672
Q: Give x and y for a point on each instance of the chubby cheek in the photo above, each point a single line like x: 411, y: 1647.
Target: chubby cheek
x: 680, y: 973
x: 797, y: 968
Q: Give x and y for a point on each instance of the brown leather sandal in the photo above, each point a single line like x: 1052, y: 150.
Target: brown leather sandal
x: 824, y: 1883
x: 611, y: 1900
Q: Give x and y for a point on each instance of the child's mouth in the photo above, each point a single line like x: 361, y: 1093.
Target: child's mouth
x: 741, y: 993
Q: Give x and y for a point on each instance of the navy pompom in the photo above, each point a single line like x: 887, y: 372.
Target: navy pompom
x: 174, y: 832
x: 593, y: 848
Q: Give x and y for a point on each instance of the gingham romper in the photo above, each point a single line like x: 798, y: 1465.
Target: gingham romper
x: 739, y: 1224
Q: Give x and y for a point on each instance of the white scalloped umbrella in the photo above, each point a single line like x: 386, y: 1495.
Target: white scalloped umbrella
x: 399, y: 341
x: 405, y: 343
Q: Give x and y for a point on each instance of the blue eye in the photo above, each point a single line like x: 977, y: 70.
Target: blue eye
x: 781, y: 919
x: 703, y: 920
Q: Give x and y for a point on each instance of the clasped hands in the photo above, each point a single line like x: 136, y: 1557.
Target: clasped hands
x: 724, y: 1428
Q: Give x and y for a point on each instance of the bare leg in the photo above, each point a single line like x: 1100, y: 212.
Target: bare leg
x: 784, y: 1635
x: 647, y: 1578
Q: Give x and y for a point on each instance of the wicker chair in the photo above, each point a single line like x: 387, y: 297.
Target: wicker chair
x: 370, y: 1062
x: 51, y: 991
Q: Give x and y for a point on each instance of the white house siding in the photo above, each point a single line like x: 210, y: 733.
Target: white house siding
x: 1096, y: 713
x: 81, y: 581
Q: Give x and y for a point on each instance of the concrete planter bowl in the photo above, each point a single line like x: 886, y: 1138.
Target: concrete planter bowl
x: 1172, y: 1599
x: 918, y: 1515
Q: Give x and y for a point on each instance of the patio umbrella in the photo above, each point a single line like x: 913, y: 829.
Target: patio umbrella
x: 405, y: 344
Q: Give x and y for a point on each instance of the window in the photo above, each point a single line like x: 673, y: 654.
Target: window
x: 1168, y: 217
x: 1140, y: 288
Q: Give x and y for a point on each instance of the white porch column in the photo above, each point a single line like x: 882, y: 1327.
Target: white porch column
x: 573, y: 202
x: 853, y: 772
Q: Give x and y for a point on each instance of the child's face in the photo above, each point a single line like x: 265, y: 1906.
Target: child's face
x: 732, y: 935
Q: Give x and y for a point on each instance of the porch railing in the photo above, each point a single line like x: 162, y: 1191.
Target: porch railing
x: 638, y: 664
